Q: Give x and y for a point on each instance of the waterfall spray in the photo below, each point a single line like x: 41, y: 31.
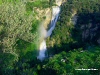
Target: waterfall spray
x: 55, y: 14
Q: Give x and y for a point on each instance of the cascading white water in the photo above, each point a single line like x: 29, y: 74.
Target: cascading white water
x: 42, y: 50
x: 55, y: 14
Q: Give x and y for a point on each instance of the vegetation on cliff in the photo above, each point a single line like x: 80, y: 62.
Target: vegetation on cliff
x: 70, y: 47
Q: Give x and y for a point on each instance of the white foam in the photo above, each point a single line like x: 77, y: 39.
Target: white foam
x: 42, y: 50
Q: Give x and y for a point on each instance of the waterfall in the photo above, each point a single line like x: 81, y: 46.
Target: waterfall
x: 55, y: 14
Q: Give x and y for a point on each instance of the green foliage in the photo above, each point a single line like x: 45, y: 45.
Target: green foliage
x: 18, y: 36
x: 69, y: 38
x: 23, y: 47
x: 6, y: 63
x: 51, y: 2
x: 16, y: 25
x: 66, y: 63
x: 66, y: 36
x: 38, y: 3
x: 0, y: 1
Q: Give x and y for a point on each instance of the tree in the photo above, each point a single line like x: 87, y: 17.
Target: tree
x: 66, y: 63
x: 15, y: 24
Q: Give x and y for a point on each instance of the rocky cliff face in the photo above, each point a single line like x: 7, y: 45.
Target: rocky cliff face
x: 59, y: 2
x: 44, y: 15
x: 91, y: 33
x: 89, y: 28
